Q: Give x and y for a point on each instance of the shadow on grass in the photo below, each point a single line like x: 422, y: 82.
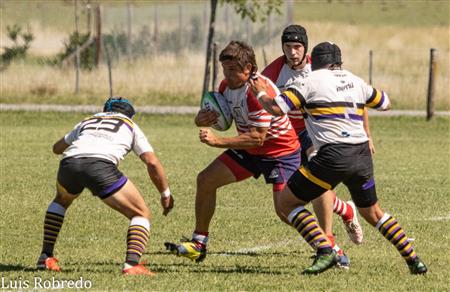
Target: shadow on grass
x: 236, y: 253
x: 189, y: 267
x: 22, y: 268
x: 237, y: 269
x: 12, y: 268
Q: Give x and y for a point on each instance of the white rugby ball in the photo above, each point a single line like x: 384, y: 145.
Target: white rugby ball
x: 214, y: 101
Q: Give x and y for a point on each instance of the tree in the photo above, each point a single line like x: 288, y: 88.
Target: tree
x: 253, y: 9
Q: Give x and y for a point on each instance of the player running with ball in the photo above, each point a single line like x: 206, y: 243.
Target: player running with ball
x: 265, y: 145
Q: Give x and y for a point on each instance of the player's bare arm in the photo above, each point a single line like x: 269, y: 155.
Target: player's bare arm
x: 206, y: 118
x: 254, y: 138
x: 60, y: 146
x: 367, y: 129
x: 259, y: 89
x: 157, y: 175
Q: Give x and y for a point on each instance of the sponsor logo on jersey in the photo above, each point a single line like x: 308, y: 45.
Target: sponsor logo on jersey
x: 345, y: 87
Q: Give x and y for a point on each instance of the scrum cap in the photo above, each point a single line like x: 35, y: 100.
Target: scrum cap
x: 295, y: 33
x: 325, y: 53
x: 119, y: 105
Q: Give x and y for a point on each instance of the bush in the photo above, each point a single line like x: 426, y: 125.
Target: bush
x: 21, y: 44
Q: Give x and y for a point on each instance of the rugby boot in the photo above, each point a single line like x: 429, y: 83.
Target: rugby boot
x: 136, y: 270
x: 417, y: 267
x: 343, y: 260
x: 48, y: 263
x: 190, y: 249
x: 353, y: 228
x: 322, y: 262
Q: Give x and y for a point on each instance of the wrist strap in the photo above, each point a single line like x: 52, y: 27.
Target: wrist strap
x: 261, y: 94
x: 166, y: 193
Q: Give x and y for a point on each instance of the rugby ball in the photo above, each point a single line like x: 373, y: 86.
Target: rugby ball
x: 214, y: 101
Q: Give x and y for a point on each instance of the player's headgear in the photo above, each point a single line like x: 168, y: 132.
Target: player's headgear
x: 119, y: 105
x: 325, y: 53
x: 295, y: 33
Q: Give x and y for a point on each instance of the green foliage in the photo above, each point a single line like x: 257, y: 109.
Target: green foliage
x: 255, y: 9
x: 77, y: 39
x: 21, y: 44
x: 250, y: 249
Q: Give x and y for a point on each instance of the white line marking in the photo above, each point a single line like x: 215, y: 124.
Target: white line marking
x: 439, y: 218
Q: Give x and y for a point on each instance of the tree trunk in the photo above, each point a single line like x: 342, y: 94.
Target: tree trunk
x: 209, y: 48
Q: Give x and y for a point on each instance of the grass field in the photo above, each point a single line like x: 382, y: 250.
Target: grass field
x: 250, y: 250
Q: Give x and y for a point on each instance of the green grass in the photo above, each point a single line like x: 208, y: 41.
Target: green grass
x: 412, y: 173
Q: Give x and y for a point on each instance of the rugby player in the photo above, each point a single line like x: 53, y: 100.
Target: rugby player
x: 291, y: 68
x: 333, y: 101
x: 91, y: 153
x: 265, y: 145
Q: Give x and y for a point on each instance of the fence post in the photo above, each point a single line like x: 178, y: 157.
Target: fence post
x: 108, y: 62
x: 156, y: 25
x: 370, y: 66
x: 77, y: 49
x: 431, y: 83
x: 98, y: 35
x: 264, y: 57
x: 289, y: 12
x: 89, y: 17
x: 129, y: 29
x: 180, y: 26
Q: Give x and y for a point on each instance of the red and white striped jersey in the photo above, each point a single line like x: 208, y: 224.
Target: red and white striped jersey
x: 281, y: 138
x: 283, y: 76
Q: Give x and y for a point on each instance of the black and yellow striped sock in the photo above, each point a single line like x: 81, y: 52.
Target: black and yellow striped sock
x: 393, y: 232
x: 305, y: 223
x: 137, y: 238
x: 53, y: 221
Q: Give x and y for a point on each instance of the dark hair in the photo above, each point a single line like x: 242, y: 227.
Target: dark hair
x: 119, y: 105
x: 325, y: 53
x: 240, y: 52
x: 295, y: 33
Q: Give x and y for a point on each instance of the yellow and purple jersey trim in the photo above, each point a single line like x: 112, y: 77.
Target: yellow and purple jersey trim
x: 377, y: 99
x: 336, y: 110
x: 293, y: 99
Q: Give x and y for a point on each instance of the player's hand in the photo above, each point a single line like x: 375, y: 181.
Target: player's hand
x: 206, y: 118
x: 207, y: 137
x: 258, y: 85
x: 167, y: 204
x: 371, y: 146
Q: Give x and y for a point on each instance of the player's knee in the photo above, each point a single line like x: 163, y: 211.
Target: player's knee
x: 371, y: 214
x: 141, y: 211
x: 281, y: 216
x: 204, y: 181
x: 64, y: 199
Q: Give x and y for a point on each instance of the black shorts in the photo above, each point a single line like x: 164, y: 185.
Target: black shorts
x: 305, y: 141
x: 333, y: 164
x: 100, y: 176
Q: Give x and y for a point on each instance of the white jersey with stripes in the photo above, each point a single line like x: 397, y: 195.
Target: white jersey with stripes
x: 333, y: 101
x: 107, y: 135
